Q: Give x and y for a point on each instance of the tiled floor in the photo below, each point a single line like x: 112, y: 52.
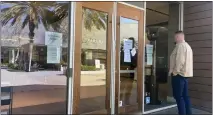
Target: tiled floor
x: 175, y: 112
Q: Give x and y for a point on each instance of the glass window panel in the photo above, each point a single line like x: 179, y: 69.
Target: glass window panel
x: 93, y: 61
x: 138, y: 4
x: 128, y: 60
x: 161, y: 22
x: 36, y: 70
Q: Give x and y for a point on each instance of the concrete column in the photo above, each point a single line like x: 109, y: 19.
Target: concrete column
x: 11, y: 56
x: 89, y: 58
x: 173, y: 26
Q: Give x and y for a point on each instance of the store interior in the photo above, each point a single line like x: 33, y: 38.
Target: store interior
x: 159, y: 36
x: 157, y: 88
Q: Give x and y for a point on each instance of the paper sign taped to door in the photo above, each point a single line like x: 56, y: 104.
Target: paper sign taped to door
x: 97, y: 63
x: 149, y: 59
x: 53, y: 54
x: 133, y: 52
x: 127, y: 56
x: 149, y: 49
x: 128, y: 44
x: 120, y: 104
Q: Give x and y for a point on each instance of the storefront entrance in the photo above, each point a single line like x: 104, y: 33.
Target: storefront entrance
x: 92, y: 65
x: 100, y: 63
x: 92, y: 58
x: 129, y: 59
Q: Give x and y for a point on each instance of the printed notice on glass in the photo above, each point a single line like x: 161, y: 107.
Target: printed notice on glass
x: 53, y: 54
x: 53, y: 38
x: 127, y: 56
x: 149, y: 49
x: 149, y: 59
x: 97, y: 63
x: 128, y: 44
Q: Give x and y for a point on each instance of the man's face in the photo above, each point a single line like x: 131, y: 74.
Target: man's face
x: 179, y: 37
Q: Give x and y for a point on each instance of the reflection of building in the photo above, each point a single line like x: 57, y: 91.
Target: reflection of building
x: 94, y: 42
x: 11, y: 47
x: 93, y: 46
x: 18, y: 46
x: 6, y: 54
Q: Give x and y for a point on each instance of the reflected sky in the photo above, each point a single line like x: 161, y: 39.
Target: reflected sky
x: 127, y: 20
x: 5, y: 5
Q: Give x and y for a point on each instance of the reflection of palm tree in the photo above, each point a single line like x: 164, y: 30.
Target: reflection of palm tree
x: 31, y: 14
x: 90, y: 17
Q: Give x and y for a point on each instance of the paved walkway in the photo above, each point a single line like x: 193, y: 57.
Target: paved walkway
x: 20, y: 78
x: 39, y: 92
x: 37, y: 85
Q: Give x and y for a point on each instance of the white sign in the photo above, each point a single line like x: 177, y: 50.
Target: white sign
x: 127, y: 56
x: 120, y: 104
x: 128, y: 44
x: 147, y: 100
x: 53, y: 54
x: 97, y: 63
x: 149, y: 59
x: 133, y: 52
x: 53, y: 39
x: 149, y: 49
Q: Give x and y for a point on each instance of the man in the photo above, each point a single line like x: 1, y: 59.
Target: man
x: 181, y: 68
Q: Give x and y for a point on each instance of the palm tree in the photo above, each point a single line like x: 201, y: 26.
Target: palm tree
x: 30, y: 14
x: 90, y: 17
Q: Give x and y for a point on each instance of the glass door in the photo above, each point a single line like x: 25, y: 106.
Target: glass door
x: 92, y: 57
x: 129, y: 59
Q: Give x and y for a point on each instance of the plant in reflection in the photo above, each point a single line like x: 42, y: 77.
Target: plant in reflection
x: 30, y: 14
x: 90, y: 17
x: 88, y: 68
x: 63, y: 63
x: 52, y: 15
x: 91, y: 20
x: 12, y: 66
x: 94, y: 18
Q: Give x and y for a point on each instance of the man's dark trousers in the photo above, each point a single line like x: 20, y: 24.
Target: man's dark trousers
x: 180, y: 93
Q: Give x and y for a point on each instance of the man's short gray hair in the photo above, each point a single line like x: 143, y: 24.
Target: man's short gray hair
x: 179, y: 32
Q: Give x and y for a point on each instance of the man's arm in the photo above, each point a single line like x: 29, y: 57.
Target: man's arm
x: 180, y: 59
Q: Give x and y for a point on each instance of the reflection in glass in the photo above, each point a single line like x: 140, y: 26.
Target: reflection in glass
x: 128, y: 61
x: 42, y: 90
x: 158, y: 91
x: 93, y: 61
x: 139, y: 4
x: 156, y: 83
